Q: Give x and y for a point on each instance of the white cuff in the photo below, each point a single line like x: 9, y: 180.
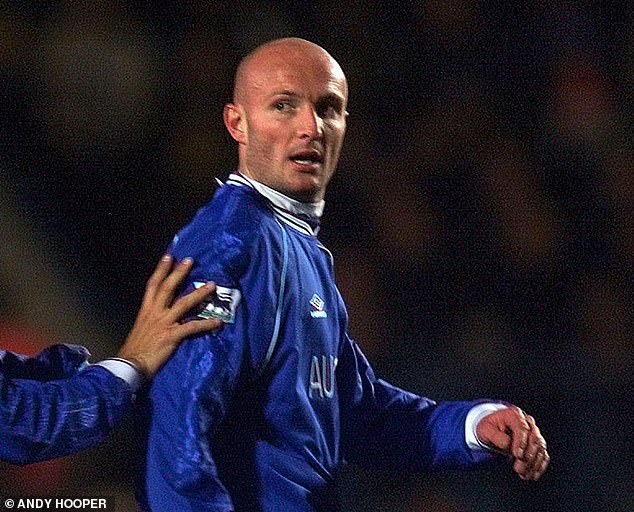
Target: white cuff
x: 471, y: 422
x: 124, y: 370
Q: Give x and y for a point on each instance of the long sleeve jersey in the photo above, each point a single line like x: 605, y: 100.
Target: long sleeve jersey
x: 51, y: 406
x: 258, y: 416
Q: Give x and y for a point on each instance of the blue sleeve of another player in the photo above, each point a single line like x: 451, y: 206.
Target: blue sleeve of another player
x: 387, y: 427
x: 41, y: 420
x: 55, y: 362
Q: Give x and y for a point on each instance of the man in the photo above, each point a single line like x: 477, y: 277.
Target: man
x: 55, y: 404
x: 259, y: 416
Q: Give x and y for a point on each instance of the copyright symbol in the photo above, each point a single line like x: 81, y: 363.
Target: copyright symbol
x: 9, y: 503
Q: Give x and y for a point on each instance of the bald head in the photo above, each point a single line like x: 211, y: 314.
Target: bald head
x: 289, y: 117
x: 275, y: 53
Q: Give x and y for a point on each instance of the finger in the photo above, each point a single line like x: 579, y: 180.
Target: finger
x: 542, y: 469
x: 534, y: 462
x: 498, y: 440
x: 192, y: 299
x: 533, y: 470
x: 518, y: 429
x: 199, y: 326
x: 171, y: 283
x: 536, y: 442
x: 536, y: 465
x: 520, y: 467
x: 158, y: 275
x: 536, y: 458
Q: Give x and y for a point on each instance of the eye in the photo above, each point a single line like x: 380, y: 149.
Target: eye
x: 327, y: 111
x: 283, y: 106
x: 329, y: 108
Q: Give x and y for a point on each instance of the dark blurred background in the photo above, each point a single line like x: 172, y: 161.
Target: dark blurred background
x: 481, y: 219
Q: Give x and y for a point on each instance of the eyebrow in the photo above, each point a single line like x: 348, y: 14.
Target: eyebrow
x: 330, y: 97
x: 333, y: 97
x: 284, y: 92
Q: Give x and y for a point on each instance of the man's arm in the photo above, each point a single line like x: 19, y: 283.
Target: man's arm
x: 384, y: 425
x: 42, y: 419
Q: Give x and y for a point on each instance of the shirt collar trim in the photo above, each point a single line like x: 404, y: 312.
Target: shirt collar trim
x: 304, y: 217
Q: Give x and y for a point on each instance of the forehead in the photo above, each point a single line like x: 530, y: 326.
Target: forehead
x: 308, y: 74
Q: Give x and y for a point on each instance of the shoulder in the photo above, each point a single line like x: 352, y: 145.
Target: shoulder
x: 223, y: 233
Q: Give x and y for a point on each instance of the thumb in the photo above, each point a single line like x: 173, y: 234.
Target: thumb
x: 492, y: 437
x: 505, y: 430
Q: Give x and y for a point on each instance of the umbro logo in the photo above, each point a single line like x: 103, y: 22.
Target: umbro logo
x: 317, y: 307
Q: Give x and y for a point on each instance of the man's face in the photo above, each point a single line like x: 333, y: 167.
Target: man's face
x: 294, y: 121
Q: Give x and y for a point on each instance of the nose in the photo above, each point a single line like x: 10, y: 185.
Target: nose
x: 310, y: 124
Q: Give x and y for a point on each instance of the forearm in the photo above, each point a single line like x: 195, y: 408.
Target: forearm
x: 44, y: 420
x: 410, y: 433
x: 384, y: 426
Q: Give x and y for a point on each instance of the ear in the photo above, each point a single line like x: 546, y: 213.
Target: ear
x: 235, y: 122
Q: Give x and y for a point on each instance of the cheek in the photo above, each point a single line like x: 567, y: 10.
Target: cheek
x: 263, y: 153
x: 336, y: 132
x: 268, y: 139
x: 336, y: 141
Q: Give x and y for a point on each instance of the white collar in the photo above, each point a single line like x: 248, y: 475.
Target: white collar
x: 284, y: 204
x: 283, y: 201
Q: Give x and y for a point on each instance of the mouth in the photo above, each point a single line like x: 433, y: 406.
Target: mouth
x: 310, y: 158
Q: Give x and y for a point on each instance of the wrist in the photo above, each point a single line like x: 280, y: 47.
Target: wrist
x: 136, y: 363
x: 475, y: 415
x: 125, y: 370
